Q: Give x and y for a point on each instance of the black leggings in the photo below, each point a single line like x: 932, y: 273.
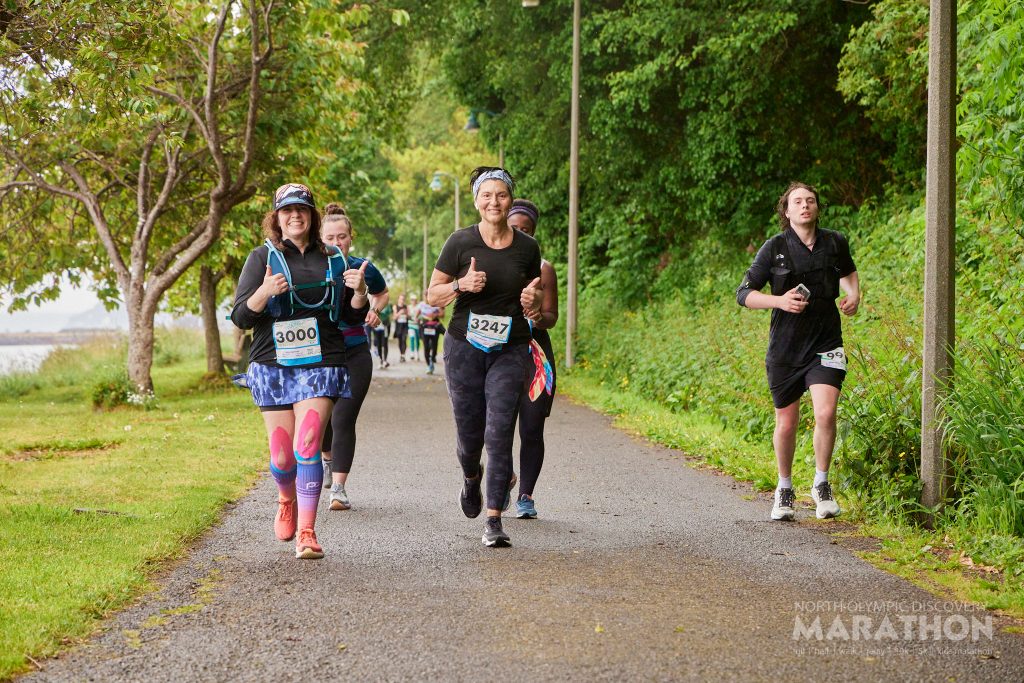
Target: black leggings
x: 380, y: 340
x: 340, y: 435
x: 401, y: 330
x: 532, y: 415
x: 430, y: 346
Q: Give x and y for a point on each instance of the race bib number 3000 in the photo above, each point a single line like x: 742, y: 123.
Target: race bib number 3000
x: 297, y: 342
x: 488, y: 331
x: 836, y: 358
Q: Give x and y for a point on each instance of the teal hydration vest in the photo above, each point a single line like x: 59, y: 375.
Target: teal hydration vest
x: 282, y: 305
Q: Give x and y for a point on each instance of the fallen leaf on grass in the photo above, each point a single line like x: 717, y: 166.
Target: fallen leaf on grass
x: 966, y: 561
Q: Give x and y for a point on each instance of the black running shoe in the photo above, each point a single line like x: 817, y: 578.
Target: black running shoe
x: 494, y: 535
x: 470, y: 497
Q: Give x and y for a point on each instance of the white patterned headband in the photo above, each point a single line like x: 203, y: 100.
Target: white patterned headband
x: 497, y: 174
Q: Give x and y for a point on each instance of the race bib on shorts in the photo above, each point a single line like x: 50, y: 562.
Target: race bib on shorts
x: 836, y: 358
x: 297, y: 342
x: 488, y: 332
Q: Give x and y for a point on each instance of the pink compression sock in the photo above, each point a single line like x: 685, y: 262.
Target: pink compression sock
x: 310, y: 472
x: 282, y: 463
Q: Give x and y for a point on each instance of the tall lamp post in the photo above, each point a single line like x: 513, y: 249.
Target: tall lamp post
x: 473, y: 126
x: 574, y: 158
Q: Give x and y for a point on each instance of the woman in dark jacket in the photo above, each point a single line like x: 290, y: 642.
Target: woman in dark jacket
x: 297, y: 359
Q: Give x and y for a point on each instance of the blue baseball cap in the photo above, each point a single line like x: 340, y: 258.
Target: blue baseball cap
x: 293, y: 193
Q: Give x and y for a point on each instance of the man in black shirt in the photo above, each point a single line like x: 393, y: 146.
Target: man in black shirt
x: 807, y: 267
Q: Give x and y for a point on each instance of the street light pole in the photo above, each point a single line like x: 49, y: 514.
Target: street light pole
x: 423, y: 291
x: 940, y: 249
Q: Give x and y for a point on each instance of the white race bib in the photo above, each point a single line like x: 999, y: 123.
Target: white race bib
x: 429, y: 331
x: 297, y: 342
x: 401, y: 319
x: 836, y: 358
x: 488, y: 331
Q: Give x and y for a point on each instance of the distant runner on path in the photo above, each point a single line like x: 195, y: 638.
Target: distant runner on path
x: 806, y: 266
x: 297, y: 359
x: 535, y: 406
x: 492, y: 272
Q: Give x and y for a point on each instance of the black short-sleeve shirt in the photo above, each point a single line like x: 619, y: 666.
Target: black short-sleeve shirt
x: 795, y: 338
x: 508, y: 270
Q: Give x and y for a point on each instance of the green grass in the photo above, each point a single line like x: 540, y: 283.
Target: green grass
x: 91, y: 503
x: 993, y: 578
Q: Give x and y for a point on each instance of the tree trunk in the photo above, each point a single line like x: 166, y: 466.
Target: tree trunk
x: 208, y: 304
x: 140, y: 348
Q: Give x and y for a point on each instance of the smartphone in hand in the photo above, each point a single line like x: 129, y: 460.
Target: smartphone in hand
x: 803, y: 291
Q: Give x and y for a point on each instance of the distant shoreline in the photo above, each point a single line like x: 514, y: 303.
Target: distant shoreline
x: 55, y: 338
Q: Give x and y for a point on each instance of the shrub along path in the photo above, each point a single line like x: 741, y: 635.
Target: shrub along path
x: 638, y: 568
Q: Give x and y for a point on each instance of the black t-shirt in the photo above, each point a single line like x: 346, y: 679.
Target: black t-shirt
x: 795, y: 338
x: 508, y: 270
x: 307, y: 267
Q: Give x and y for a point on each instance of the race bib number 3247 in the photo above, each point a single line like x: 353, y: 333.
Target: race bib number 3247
x: 488, y: 331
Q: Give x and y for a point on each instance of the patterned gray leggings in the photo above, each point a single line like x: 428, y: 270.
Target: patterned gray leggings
x: 485, y: 389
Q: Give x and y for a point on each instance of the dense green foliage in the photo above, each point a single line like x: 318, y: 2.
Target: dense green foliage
x: 692, y: 115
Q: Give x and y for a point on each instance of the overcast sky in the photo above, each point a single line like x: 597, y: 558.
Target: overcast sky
x: 49, y: 317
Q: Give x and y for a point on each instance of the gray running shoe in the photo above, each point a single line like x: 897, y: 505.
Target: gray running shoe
x: 494, y: 536
x: 339, y: 499
x: 783, y: 509
x: 827, y: 507
x: 508, y: 494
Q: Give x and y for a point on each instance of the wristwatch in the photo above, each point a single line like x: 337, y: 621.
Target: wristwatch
x: 455, y: 285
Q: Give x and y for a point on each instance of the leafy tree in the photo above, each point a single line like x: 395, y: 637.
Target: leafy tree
x: 693, y: 115
x: 124, y: 152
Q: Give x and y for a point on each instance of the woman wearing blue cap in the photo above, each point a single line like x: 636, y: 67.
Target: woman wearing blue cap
x: 492, y: 273
x: 294, y: 291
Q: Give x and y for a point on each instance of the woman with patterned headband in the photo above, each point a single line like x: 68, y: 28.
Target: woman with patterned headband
x: 297, y: 358
x: 492, y: 273
x: 535, y: 406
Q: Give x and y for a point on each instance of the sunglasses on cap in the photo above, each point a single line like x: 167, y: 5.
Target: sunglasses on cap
x: 293, y: 193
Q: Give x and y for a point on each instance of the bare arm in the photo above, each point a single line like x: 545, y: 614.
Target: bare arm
x: 851, y: 285
x: 549, y: 303
x: 440, y: 292
x: 377, y: 303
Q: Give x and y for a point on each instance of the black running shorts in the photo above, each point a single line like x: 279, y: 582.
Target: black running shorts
x: 788, y: 383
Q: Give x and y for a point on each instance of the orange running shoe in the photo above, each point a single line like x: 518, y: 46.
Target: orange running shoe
x: 284, y: 523
x: 307, y: 547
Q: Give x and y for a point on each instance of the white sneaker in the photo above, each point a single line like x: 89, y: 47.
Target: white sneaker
x: 339, y: 499
x: 827, y: 505
x: 783, y: 508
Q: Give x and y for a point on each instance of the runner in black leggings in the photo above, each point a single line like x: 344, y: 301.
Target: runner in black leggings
x: 492, y: 273
x: 401, y: 326
x: 431, y: 331
x: 339, y: 443
x: 535, y: 405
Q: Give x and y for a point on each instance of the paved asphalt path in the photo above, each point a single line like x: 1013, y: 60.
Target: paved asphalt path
x: 639, y: 568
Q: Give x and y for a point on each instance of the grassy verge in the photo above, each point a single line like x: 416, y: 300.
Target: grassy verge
x: 937, y: 561
x: 91, y: 503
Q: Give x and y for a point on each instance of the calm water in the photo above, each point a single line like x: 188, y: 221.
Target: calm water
x: 23, y: 358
